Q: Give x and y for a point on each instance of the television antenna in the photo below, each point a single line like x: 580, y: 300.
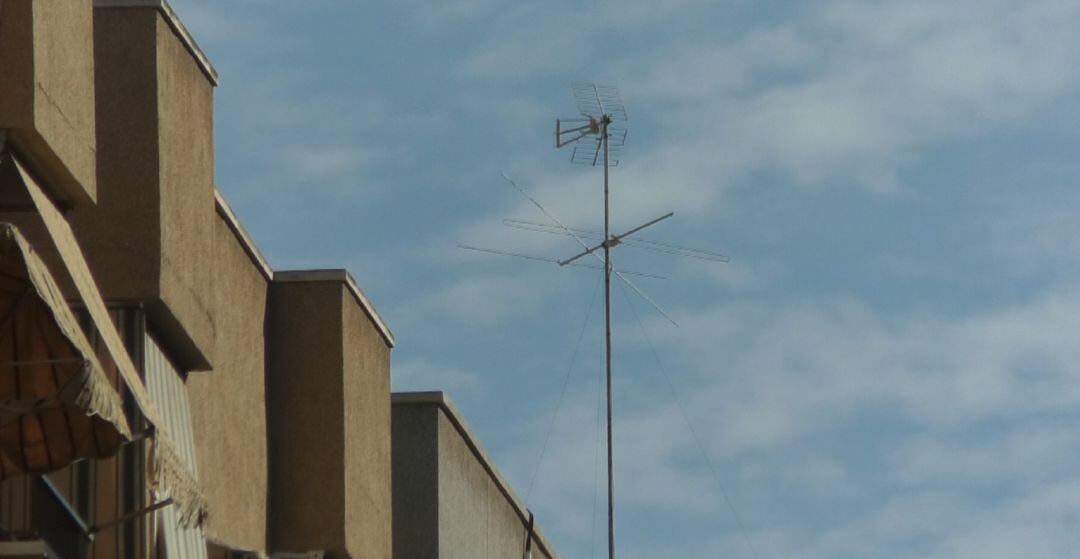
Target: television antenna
x: 597, y: 138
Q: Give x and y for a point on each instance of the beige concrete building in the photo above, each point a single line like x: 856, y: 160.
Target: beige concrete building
x: 450, y: 501
x: 164, y: 393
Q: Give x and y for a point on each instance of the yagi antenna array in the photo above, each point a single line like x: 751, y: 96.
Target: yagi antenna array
x: 595, y: 101
x: 596, y: 138
x: 596, y: 104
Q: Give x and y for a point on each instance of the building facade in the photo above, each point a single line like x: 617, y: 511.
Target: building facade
x: 450, y: 501
x: 165, y: 393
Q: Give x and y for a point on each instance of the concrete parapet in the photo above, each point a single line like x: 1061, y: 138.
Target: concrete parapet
x: 450, y: 501
x: 329, y: 384
x: 151, y: 235
x: 47, y: 92
x: 229, y: 404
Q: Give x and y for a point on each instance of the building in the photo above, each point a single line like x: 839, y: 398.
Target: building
x: 450, y: 501
x: 164, y: 393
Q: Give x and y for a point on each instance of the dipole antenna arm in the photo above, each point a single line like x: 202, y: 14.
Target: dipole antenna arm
x: 615, y: 239
x: 586, y: 247
x: 544, y: 211
x: 643, y: 226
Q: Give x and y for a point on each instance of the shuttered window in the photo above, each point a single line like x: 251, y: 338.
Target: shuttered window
x: 166, y: 387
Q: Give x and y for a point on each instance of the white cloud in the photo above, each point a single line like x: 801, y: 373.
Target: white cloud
x: 294, y: 130
x: 810, y: 365
x: 843, y: 430
x: 479, y: 300
x: 1020, y: 454
x: 1040, y: 522
x: 891, y: 78
x: 811, y: 370
x: 316, y: 165
x: 420, y: 374
x: 215, y: 24
x: 820, y: 101
x: 529, y: 40
x: 438, y: 14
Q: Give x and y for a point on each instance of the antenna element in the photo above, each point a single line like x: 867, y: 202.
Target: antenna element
x: 596, y: 139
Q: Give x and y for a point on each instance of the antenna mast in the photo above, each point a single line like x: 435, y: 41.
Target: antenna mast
x: 601, y: 106
x: 596, y: 138
x: 605, y: 121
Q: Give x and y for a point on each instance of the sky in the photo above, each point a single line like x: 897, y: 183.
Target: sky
x: 886, y: 367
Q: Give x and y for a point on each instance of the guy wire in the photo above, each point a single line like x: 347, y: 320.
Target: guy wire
x: 690, y: 427
x: 562, y: 394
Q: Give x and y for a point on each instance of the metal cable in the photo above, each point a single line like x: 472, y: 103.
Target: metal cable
x: 596, y: 462
x: 586, y: 247
x: 693, y: 432
x: 562, y: 394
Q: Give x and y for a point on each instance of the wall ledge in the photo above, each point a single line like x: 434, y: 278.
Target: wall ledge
x: 163, y: 7
x: 241, y: 234
x: 341, y: 275
x: 440, y: 399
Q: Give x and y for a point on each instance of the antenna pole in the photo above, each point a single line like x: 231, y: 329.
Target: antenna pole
x: 600, y: 106
x: 605, y: 120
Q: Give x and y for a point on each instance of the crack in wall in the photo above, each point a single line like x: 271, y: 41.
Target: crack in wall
x: 48, y: 98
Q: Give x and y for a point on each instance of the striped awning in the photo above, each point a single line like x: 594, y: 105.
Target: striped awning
x: 56, y: 404
x: 169, y: 477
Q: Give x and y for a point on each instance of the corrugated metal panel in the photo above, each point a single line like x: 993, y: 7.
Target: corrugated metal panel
x: 166, y: 388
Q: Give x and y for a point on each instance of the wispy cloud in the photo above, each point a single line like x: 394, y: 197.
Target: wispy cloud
x: 881, y: 422
x: 479, y: 300
x: 422, y: 374
x: 823, y: 368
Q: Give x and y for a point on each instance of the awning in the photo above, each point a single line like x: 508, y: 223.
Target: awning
x: 56, y: 404
x: 168, y: 475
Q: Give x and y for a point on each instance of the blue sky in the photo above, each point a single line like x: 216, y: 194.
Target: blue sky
x: 887, y: 367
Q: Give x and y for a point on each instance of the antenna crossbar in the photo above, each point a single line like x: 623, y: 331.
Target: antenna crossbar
x: 554, y: 261
x: 581, y: 242
x: 644, y: 244
x: 614, y: 240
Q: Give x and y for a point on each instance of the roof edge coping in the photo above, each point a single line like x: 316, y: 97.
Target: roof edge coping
x: 252, y: 250
x: 439, y: 398
x: 177, y: 26
x: 342, y: 275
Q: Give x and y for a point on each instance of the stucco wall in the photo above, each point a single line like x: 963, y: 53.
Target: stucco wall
x: 416, y: 481
x: 152, y: 230
x: 47, y: 90
x: 476, y: 521
x: 367, y: 434
x: 307, y: 413
x: 186, y: 131
x: 17, y: 62
x: 329, y: 420
x: 120, y: 235
x: 443, y: 478
x: 228, y: 404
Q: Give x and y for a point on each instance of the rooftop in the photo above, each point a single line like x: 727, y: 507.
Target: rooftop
x: 344, y: 276
x: 177, y: 26
x: 440, y: 399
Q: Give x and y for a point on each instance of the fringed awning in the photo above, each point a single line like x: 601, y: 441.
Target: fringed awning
x: 168, y: 475
x: 56, y: 404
